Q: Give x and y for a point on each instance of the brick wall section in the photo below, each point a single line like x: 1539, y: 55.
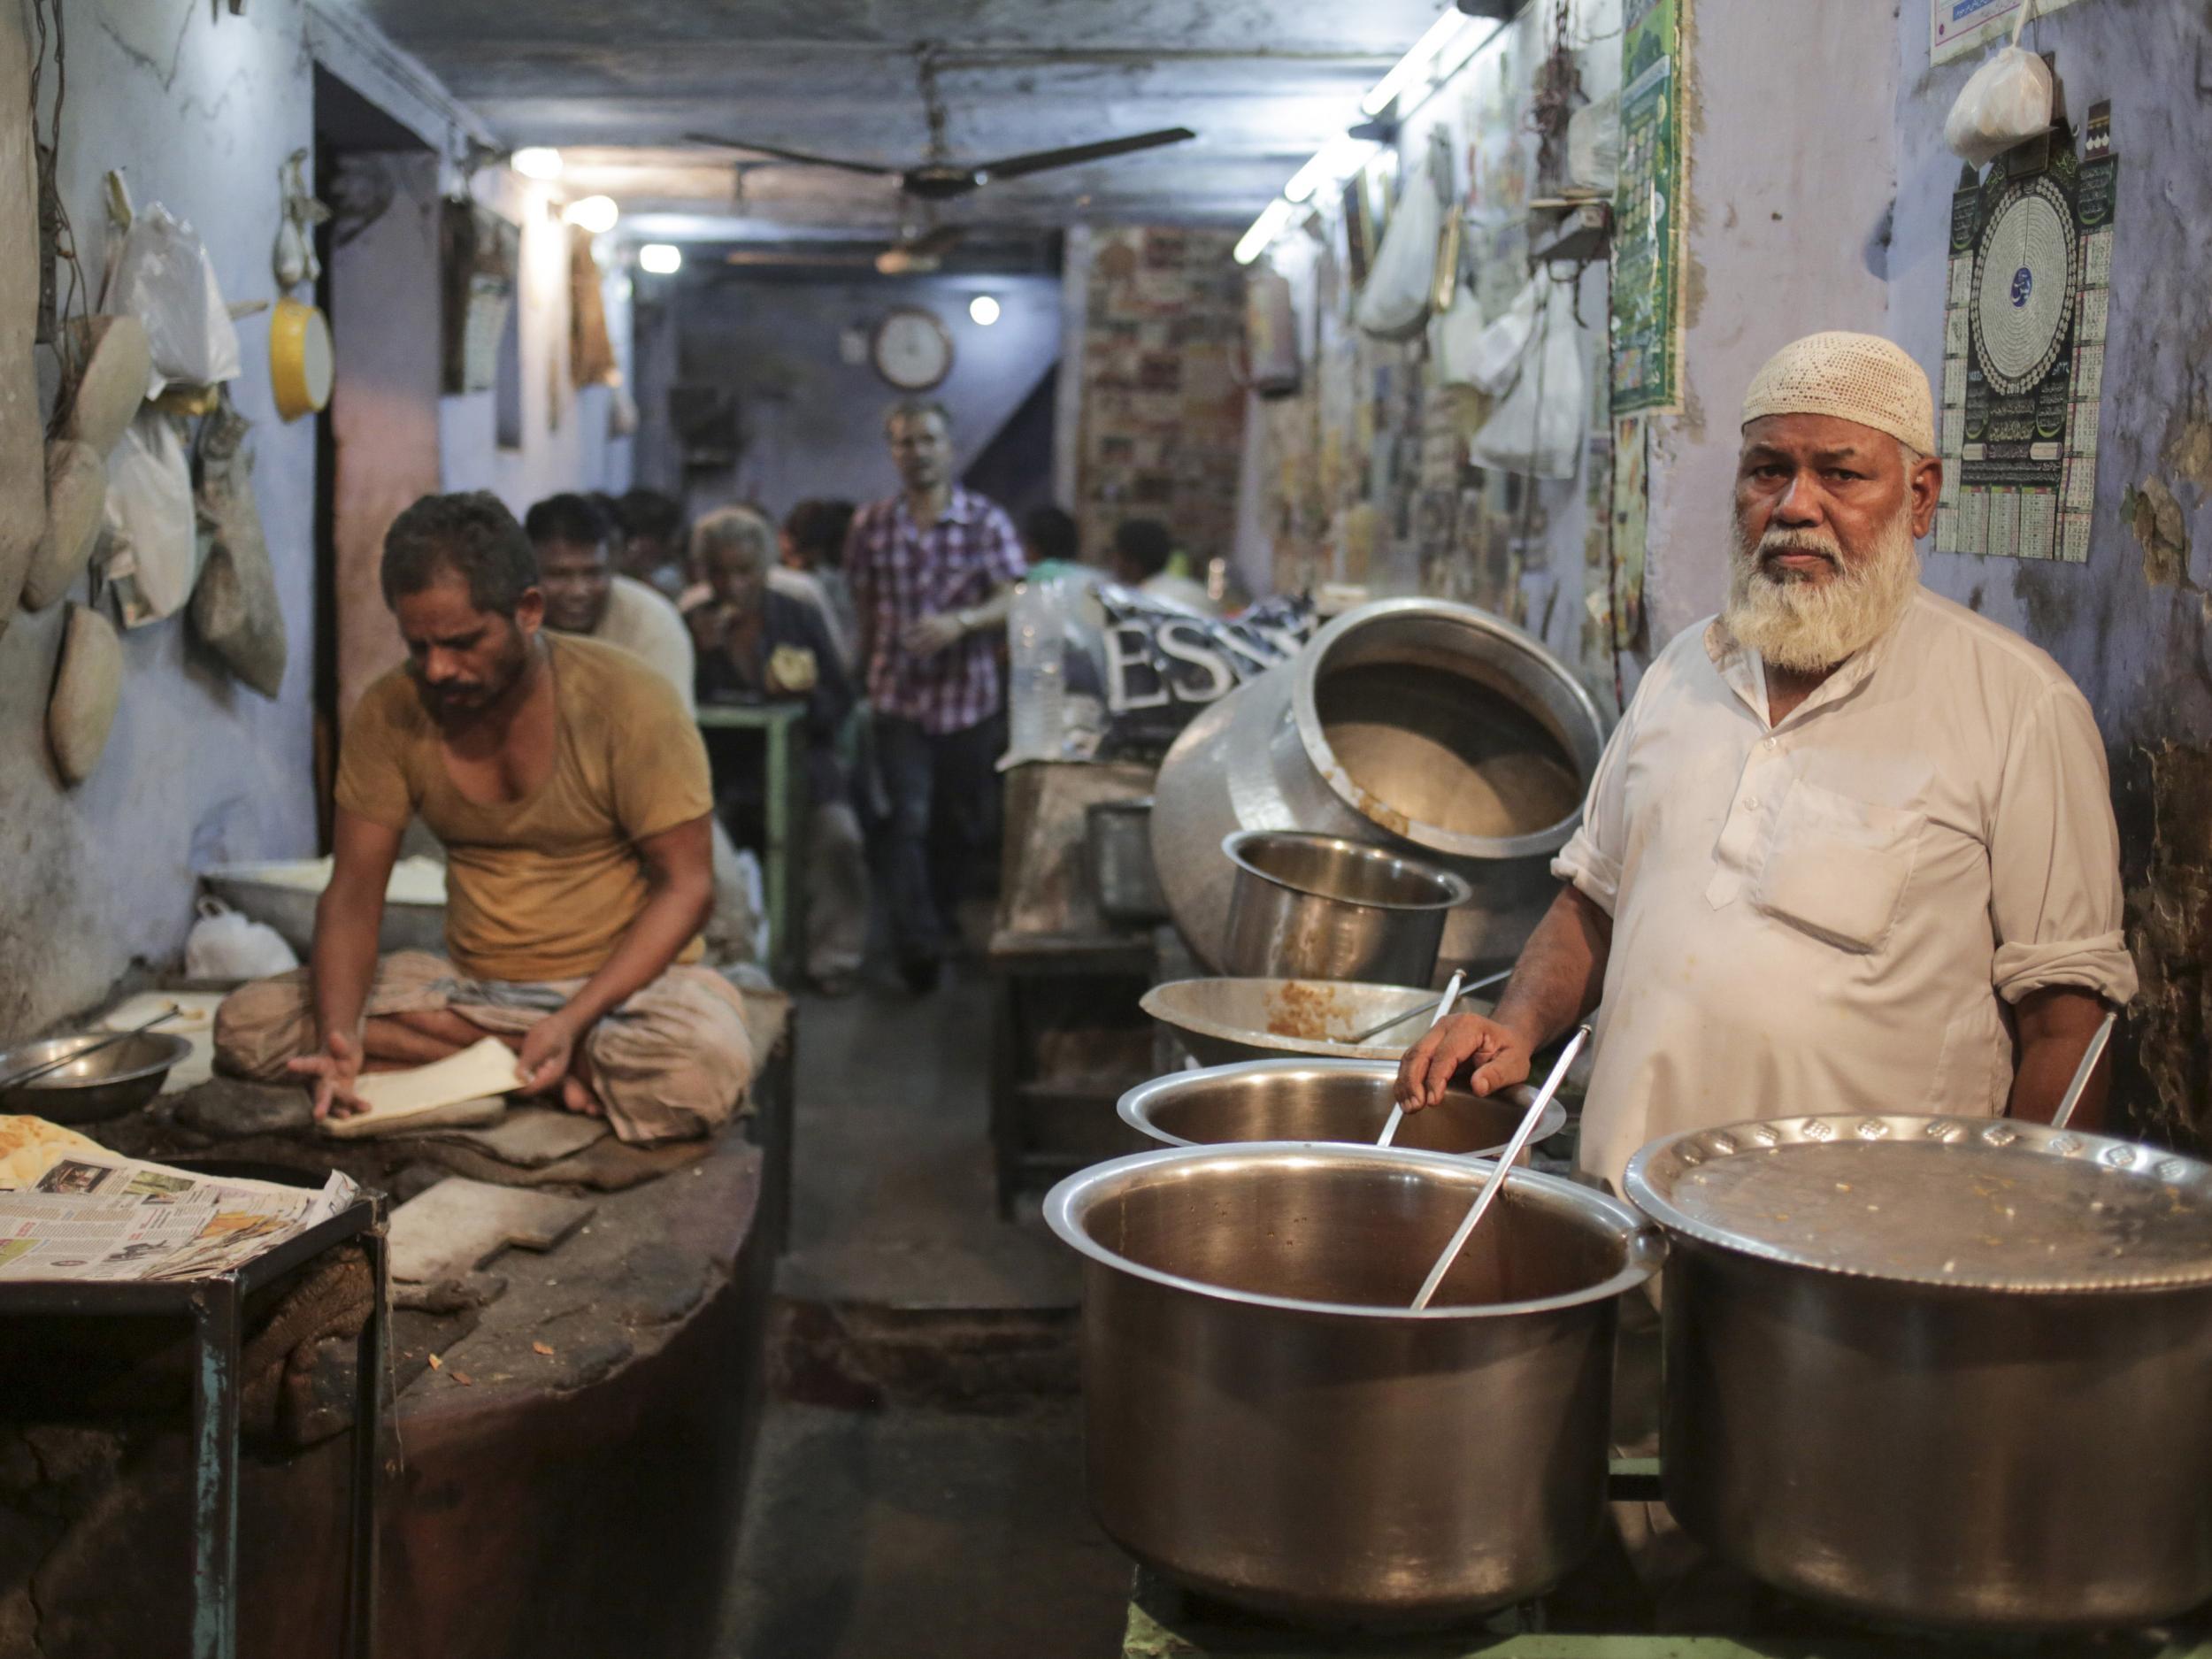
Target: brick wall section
x: 1162, y: 403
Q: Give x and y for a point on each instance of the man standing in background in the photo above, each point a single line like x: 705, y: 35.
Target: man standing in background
x: 931, y: 570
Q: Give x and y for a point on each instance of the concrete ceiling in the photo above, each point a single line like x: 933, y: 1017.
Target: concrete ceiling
x: 1262, y: 82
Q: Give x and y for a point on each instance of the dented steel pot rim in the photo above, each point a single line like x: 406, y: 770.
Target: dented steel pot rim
x: 1578, y: 709
x: 1643, y: 1246
x: 1655, y: 1170
x: 1456, y: 889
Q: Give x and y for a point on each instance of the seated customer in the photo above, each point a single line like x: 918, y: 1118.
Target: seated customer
x: 571, y: 793
x: 1143, y: 552
x: 652, y: 550
x: 757, y: 645
x: 812, y: 548
x: 1052, y: 546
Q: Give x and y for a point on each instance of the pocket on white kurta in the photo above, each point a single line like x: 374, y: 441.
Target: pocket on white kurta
x: 1836, y: 867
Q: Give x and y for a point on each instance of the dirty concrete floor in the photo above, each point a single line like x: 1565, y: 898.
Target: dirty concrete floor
x: 920, y: 1527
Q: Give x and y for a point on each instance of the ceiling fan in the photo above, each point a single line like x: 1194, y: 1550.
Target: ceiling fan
x: 938, y: 178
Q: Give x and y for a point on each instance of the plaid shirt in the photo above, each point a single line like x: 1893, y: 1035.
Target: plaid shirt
x: 899, y: 574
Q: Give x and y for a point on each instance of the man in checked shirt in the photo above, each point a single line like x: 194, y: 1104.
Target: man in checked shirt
x: 931, y: 569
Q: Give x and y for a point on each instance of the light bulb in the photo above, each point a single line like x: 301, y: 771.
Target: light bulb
x: 662, y: 259
x: 984, y: 308
x: 535, y: 161
x: 594, y: 213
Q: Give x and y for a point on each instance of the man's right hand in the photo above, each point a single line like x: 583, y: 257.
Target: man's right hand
x: 335, y: 1070
x: 1499, y: 1054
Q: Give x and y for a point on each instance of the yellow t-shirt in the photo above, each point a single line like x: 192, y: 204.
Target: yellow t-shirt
x: 541, y: 888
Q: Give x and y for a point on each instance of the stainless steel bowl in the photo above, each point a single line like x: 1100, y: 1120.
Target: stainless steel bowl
x: 1319, y: 907
x: 1266, y: 1422
x: 263, y: 892
x: 1322, y: 1100
x: 1222, y: 1021
x: 1119, y: 835
x: 117, y: 1079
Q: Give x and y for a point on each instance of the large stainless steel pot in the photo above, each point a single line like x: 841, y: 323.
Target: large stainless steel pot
x: 1322, y: 1100
x: 1940, y: 1371
x: 1119, y: 835
x: 1428, y: 727
x: 1316, y: 907
x: 1267, y: 1422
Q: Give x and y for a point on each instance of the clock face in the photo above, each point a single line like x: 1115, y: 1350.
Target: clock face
x: 912, y: 350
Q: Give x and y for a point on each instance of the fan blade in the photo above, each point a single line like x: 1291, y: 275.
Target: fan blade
x: 1039, y: 160
x: 798, y: 156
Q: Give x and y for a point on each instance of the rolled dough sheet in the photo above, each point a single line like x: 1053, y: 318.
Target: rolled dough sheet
x: 485, y: 1068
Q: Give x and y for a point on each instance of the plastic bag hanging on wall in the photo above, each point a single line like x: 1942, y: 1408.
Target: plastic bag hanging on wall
x: 2006, y: 102
x: 164, y: 278
x: 1537, y: 428
x: 1395, y: 304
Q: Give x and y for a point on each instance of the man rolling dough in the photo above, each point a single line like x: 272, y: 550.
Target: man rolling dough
x: 571, y: 793
x: 1851, y: 848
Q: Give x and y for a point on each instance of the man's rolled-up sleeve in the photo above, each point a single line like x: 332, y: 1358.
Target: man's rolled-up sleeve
x: 2054, y: 859
x: 1591, y: 858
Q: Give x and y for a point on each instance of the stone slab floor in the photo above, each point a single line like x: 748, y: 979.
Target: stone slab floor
x: 905, y: 1502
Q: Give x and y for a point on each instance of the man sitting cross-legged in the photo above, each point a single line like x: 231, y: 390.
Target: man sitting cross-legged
x: 571, y: 796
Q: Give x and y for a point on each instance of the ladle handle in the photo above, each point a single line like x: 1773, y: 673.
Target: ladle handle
x: 1506, y: 1160
x: 1444, y: 1007
x: 2090, y: 1055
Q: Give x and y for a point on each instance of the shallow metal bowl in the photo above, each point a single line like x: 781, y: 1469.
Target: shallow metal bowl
x: 1222, y: 1021
x: 261, y: 893
x: 108, y: 1084
x: 1266, y: 1419
x: 1322, y: 1100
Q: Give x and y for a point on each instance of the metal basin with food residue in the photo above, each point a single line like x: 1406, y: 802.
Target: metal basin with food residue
x: 1322, y: 1100
x: 1267, y: 1422
x: 1224, y: 1020
x: 96, y: 1085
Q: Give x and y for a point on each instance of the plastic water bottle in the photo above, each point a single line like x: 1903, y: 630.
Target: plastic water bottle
x: 1036, y: 641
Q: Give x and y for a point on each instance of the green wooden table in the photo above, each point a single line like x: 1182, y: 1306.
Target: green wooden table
x: 783, y: 809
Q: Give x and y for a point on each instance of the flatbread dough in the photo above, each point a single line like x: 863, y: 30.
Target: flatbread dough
x: 482, y: 1069
x: 87, y: 685
x: 76, y: 501
x: 29, y: 1147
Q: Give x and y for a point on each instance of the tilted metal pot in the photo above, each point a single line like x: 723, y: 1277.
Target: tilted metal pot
x: 1943, y: 1372
x: 1424, y: 726
x: 1323, y: 1100
x: 1316, y: 907
x: 1266, y: 1421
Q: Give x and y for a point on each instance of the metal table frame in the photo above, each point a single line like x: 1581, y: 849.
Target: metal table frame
x: 216, y: 1307
x: 783, y: 809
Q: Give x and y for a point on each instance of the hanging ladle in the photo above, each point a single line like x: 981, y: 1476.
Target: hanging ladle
x: 2089, y: 1058
x: 1491, y: 1187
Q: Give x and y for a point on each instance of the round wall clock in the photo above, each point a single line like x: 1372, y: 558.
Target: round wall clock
x: 912, y: 350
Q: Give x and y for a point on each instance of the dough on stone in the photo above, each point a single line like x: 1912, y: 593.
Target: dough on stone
x: 119, y: 366
x: 87, y: 685
x: 76, y: 499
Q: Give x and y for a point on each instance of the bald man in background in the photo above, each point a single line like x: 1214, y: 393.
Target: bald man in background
x: 1851, y: 848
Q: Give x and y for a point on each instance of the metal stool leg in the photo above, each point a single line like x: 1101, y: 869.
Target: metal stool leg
x: 216, y: 1323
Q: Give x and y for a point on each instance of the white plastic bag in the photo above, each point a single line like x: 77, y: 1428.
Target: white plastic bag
x: 227, y: 946
x: 164, y: 278
x: 152, y: 535
x: 1395, y: 304
x: 2007, y: 101
x: 1537, y: 428
x: 1594, y: 145
x: 1494, y: 358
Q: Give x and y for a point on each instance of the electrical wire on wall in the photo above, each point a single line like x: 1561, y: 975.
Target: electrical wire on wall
x: 49, y: 36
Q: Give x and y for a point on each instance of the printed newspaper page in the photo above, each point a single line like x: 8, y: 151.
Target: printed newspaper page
x: 102, y: 1217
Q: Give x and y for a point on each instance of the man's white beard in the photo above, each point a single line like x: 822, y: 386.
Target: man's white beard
x: 1806, y: 626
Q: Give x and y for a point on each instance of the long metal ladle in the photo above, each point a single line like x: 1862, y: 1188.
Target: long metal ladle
x: 1443, y: 1007
x: 75, y: 1055
x: 1451, y: 996
x: 2089, y: 1058
x: 1506, y: 1160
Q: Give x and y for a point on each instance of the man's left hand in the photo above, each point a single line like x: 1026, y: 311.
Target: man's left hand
x: 549, y: 1049
x: 925, y: 636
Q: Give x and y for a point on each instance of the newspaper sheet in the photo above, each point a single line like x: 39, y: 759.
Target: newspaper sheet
x: 111, y: 1217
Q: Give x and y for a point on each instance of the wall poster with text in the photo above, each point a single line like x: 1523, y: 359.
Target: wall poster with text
x: 1646, y: 212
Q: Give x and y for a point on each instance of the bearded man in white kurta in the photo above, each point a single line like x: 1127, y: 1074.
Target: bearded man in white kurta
x: 1851, y: 848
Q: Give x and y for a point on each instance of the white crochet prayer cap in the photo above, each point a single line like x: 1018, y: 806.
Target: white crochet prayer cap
x: 1852, y: 377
